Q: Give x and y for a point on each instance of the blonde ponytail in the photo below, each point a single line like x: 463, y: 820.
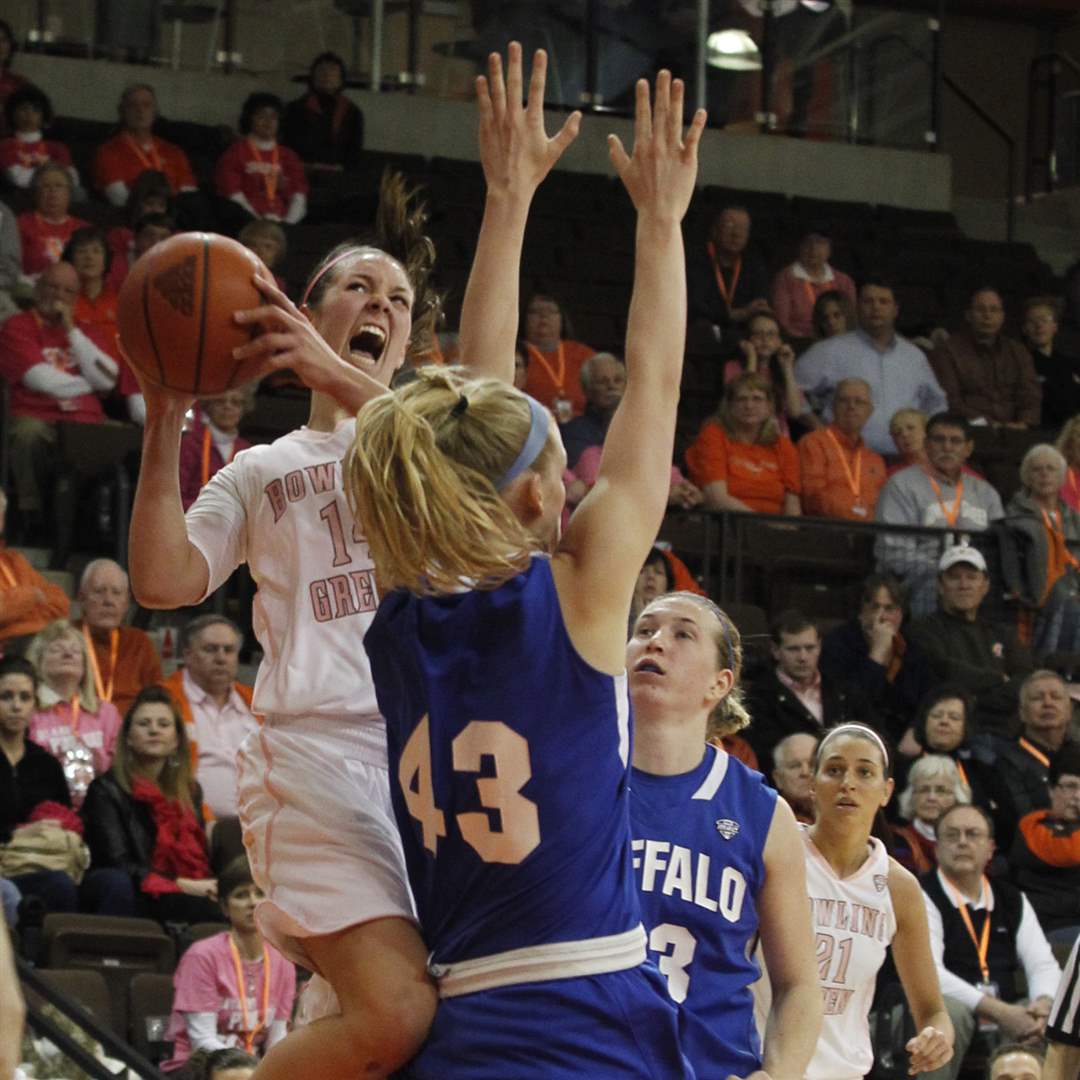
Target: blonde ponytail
x: 421, y: 481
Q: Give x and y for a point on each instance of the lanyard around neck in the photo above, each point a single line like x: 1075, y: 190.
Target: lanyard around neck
x: 249, y: 1033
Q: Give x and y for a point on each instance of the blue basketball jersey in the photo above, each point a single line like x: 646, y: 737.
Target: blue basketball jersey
x: 699, y: 842
x: 508, y: 769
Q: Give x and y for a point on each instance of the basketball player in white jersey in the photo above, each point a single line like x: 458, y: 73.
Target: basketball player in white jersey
x: 314, y: 793
x: 862, y: 901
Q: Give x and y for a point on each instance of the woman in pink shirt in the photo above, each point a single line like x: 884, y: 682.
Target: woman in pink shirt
x: 232, y: 989
x: 72, y: 722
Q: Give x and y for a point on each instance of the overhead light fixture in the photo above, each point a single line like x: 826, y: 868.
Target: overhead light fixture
x: 732, y: 50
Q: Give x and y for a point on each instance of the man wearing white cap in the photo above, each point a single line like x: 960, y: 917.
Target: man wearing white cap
x: 982, y: 657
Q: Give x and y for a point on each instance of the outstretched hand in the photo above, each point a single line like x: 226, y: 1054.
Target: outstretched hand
x: 661, y: 173
x: 515, y: 150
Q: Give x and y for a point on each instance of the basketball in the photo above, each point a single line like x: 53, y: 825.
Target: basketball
x: 175, y: 313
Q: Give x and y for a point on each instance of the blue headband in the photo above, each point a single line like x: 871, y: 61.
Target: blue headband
x: 536, y: 441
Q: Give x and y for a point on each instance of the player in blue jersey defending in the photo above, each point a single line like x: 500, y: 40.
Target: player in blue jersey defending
x: 499, y: 666
x: 717, y: 852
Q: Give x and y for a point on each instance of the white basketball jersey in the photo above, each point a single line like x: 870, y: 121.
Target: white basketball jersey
x: 853, y: 926
x: 282, y: 509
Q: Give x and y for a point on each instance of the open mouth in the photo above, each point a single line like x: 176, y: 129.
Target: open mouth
x: 369, y: 342
x: 649, y: 666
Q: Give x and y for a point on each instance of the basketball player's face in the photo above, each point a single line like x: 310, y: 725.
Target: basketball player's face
x: 672, y: 661
x: 549, y: 528
x: 365, y: 315
x: 850, y: 782
x: 1018, y: 1065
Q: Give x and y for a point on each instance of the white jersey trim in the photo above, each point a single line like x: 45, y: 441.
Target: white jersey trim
x: 711, y: 784
x: 542, y: 963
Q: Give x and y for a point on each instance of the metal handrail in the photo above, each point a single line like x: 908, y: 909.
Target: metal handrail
x: 113, y: 1046
x: 1037, y: 63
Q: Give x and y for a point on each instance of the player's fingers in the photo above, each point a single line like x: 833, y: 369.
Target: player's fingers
x: 617, y: 154
x: 693, y: 134
x: 483, y: 98
x: 496, y: 86
x: 267, y: 313
x: 567, y: 133
x: 662, y: 103
x: 270, y: 290
x: 266, y: 344
x: 537, y: 83
x: 642, y: 119
x: 513, y: 75
x: 675, y: 113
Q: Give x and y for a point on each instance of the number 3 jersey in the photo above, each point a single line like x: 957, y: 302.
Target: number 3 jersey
x: 282, y: 509
x: 854, y: 924
x: 698, y: 843
x: 508, y: 769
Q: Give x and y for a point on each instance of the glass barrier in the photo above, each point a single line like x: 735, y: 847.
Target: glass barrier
x: 822, y: 69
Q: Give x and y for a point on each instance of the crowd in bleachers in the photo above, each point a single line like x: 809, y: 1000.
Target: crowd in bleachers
x: 801, y: 397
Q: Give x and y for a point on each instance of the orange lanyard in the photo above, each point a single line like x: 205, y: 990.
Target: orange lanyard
x: 558, y: 378
x: 1057, y: 530
x: 982, y: 944
x: 104, y: 692
x: 75, y: 711
x: 950, y: 514
x: 854, y: 479
x: 1035, y: 752
x: 9, y: 577
x: 721, y: 284
x: 963, y: 773
x: 206, y: 442
x: 270, y: 176
x: 151, y: 160
x: 250, y: 1033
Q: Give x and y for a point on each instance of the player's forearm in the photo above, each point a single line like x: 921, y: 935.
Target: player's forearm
x: 792, y: 1030
x: 164, y: 564
x: 656, y: 324
x: 489, y: 312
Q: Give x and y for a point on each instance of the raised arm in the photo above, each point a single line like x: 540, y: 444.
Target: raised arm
x: 167, y: 570
x: 794, y: 1023
x: 609, y: 536
x: 516, y: 154
x: 932, y: 1047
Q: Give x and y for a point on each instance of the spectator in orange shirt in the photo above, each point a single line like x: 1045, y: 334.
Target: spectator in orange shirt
x: 122, y: 658
x: 135, y: 148
x: 1045, y: 856
x: 554, y: 371
x: 841, y: 476
x: 740, y: 460
x: 27, y: 601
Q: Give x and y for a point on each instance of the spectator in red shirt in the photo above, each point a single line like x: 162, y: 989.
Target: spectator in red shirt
x: 149, y: 194
x: 28, y: 112
x: 259, y: 174
x: 213, y: 440
x: 45, y: 230
x: 95, y: 309
x: 135, y: 148
x: 796, y: 289
x: 55, y: 371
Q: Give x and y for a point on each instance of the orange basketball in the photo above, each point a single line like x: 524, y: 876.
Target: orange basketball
x: 175, y: 313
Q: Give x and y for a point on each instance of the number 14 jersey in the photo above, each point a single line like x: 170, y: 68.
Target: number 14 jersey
x: 282, y: 509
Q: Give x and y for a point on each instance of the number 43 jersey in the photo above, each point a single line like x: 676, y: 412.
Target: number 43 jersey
x: 698, y: 843
x: 508, y: 769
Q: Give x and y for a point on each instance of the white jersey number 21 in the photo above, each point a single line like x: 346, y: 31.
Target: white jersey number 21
x: 520, y: 822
